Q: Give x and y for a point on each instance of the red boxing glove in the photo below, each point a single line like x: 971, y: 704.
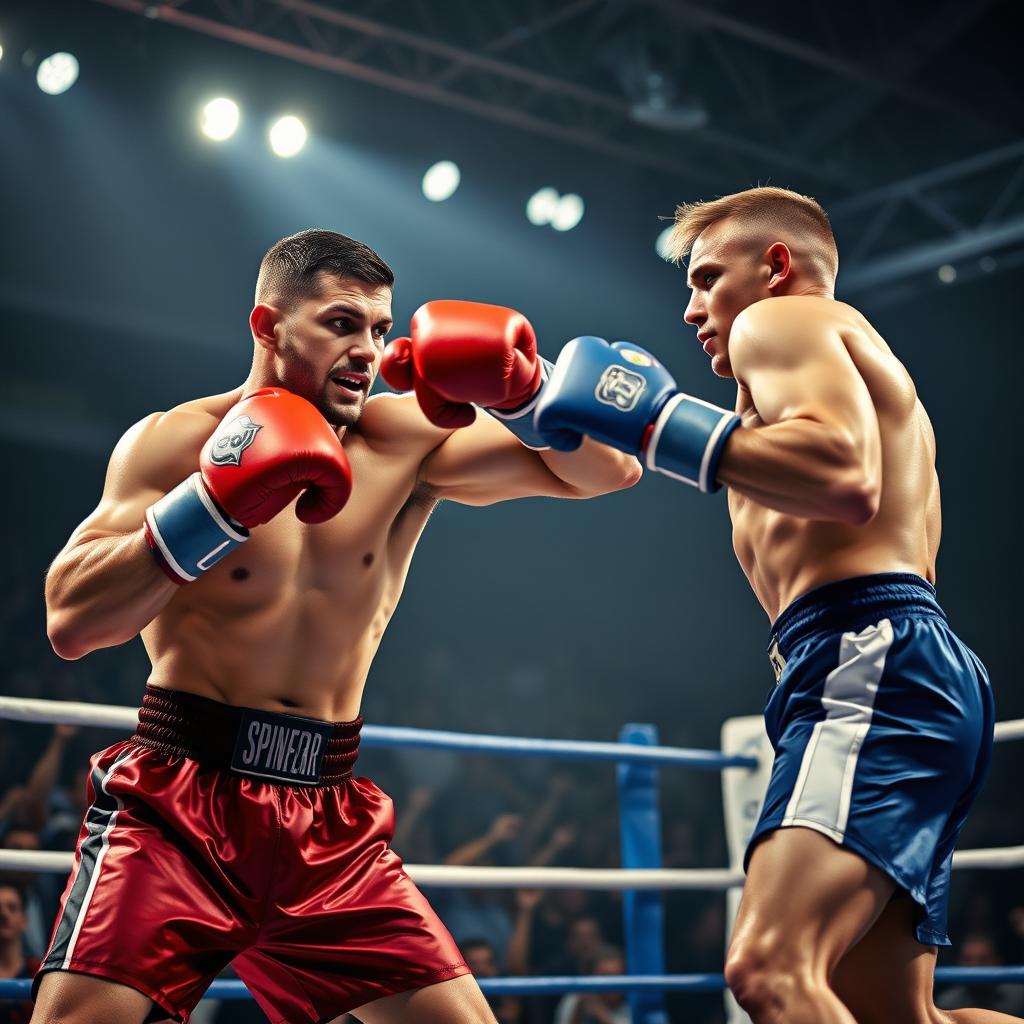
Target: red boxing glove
x: 463, y: 354
x: 270, y: 447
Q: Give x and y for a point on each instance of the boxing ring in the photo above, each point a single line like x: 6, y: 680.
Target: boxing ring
x: 744, y: 761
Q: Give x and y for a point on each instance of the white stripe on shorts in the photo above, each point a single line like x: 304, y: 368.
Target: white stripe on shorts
x: 102, y: 839
x: 824, y: 785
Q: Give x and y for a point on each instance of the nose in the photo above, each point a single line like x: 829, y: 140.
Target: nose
x: 694, y: 314
x: 365, y: 348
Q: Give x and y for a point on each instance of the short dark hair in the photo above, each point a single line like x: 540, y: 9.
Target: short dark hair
x: 290, y: 269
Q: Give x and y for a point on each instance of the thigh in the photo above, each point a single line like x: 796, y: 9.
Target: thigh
x: 807, y: 900
x: 81, y: 999
x: 888, y: 976
x: 459, y: 999
x: 145, y: 906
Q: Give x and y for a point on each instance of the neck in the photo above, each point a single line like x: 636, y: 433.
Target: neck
x: 815, y: 288
x: 12, y: 958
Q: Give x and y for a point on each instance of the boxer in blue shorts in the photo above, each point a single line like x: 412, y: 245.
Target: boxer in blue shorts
x: 881, y: 718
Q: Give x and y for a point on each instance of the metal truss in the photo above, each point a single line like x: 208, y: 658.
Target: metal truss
x: 971, y: 212
x: 559, y: 70
x: 786, y: 103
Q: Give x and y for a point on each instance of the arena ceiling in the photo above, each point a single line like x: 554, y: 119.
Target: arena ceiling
x: 906, y: 119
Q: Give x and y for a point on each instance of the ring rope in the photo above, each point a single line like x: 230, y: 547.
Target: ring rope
x: 451, y: 876
x: 231, y: 989
x: 25, y: 709
x: 1010, y: 730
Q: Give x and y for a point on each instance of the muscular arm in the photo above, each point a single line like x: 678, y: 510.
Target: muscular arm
x: 818, y: 453
x: 36, y: 805
x: 105, y: 585
x: 483, y: 463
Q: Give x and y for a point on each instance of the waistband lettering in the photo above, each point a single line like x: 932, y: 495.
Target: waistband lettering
x: 283, y: 747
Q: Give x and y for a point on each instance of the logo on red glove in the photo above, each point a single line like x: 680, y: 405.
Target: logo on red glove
x: 620, y: 388
x: 227, y: 445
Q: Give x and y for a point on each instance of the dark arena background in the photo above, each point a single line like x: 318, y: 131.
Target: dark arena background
x: 130, y: 244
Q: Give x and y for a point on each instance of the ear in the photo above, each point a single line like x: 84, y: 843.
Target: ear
x: 780, y: 263
x: 263, y: 321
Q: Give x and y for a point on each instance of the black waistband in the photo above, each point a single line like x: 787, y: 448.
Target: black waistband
x: 853, y: 604
x: 215, y: 735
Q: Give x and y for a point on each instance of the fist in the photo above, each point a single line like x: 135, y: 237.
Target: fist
x: 461, y: 354
x: 611, y: 393
x: 271, y: 447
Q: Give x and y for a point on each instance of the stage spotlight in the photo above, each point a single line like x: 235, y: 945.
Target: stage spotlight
x: 568, y: 213
x: 947, y: 273
x: 661, y: 243
x: 219, y: 119
x: 287, y: 136
x: 441, y: 181
x: 542, y: 206
x: 57, y: 73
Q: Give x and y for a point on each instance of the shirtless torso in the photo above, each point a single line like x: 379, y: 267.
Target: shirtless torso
x: 293, y: 619
x: 784, y: 555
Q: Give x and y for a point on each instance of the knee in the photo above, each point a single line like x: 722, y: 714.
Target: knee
x: 767, y: 980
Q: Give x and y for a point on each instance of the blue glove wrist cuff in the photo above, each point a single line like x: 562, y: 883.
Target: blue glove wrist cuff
x: 687, y: 441
x: 189, y: 532
x: 520, y: 420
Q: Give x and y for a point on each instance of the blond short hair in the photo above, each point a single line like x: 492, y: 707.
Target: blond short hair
x: 770, y: 211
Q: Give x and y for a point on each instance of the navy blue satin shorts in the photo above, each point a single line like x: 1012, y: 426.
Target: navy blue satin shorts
x: 882, y: 724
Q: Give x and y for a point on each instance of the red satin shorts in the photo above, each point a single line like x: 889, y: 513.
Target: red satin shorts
x: 184, y: 866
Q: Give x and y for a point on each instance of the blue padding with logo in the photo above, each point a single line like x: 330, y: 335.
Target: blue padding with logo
x: 191, y: 533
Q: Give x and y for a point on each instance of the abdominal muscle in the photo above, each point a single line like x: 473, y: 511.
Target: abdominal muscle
x: 784, y: 556
x: 292, y: 619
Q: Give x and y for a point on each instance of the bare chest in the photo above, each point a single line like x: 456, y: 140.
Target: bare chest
x: 351, y: 559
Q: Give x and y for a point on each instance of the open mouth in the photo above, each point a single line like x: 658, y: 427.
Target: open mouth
x: 352, y: 384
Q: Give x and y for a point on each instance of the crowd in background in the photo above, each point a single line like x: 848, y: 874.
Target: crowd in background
x: 463, y: 810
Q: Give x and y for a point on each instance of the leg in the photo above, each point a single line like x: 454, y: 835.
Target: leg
x: 68, y: 998
x: 457, y: 1001
x: 889, y: 976
x: 805, y: 903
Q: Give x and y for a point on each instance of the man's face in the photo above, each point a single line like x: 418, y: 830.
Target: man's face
x: 609, y: 966
x: 480, y: 960
x: 725, y: 276
x: 12, y: 914
x: 331, y: 343
x: 19, y: 839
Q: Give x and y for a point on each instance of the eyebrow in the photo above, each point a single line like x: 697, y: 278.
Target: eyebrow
x: 353, y: 312
x: 695, y: 272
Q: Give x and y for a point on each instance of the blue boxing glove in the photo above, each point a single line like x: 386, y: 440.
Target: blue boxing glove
x: 622, y: 396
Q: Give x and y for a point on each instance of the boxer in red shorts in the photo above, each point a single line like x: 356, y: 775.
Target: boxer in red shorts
x: 259, y: 541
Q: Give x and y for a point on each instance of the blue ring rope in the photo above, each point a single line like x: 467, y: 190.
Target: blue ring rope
x: 566, y: 750
x: 21, y: 988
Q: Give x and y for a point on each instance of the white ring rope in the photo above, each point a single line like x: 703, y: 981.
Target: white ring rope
x: 447, y: 876
x: 68, y: 712
x: 444, y: 875
x: 1012, y: 730
x: 30, y: 709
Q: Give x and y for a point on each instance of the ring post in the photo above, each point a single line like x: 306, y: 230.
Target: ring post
x: 640, y: 836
